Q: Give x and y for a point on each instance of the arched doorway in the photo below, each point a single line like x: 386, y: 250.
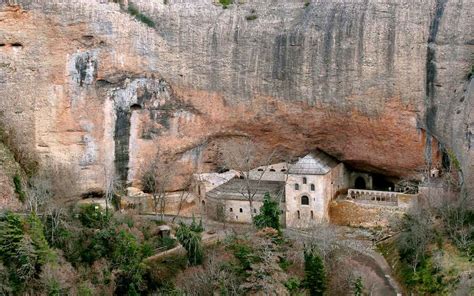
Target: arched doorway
x: 360, y: 183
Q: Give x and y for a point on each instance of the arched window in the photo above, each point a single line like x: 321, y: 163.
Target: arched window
x: 297, y: 186
x: 299, y: 215
x: 230, y: 210
x: 312, y: 187
x: 312, y: 215
x: 272, y: 170
x: 305, y: 180
x: 304, y: 200
x: 203, y: 203
x: 241, y: 210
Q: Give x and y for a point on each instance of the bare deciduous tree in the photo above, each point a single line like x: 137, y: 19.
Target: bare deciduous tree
x: 243, y: 157
x: 156, y: 180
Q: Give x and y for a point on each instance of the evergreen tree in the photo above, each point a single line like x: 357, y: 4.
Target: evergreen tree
x: 315, y: 276
x: 269, y: 215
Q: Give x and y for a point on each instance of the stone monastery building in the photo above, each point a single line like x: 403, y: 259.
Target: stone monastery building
x: 304, y: 188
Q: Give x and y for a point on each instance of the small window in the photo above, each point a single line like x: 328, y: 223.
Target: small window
x: 255, y: 210
x: 305, y: 180
x: 281, y: 211
x: 312, y: 215
x: 230, y: 210
x: 272, y: 170
x: 203, y: 203
x: 299, y: 215
x: 283, y: 170
x: 297, y: 186
x: 260, y: 170
x: 236, y: 217
x: 304, y: 200
x: 313, y: 187
x: 240, y: 210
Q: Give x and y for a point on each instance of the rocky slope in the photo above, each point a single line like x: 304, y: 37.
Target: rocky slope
x: 380, y: 85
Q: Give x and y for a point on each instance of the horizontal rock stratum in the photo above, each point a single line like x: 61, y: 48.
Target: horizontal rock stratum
x: 381, y: 85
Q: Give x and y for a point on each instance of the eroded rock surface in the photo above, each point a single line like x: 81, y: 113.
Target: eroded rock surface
x: 380, y: 85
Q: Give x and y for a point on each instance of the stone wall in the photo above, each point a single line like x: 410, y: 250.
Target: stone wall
x: 354, y: 214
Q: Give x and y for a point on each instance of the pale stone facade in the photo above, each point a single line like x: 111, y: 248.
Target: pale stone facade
x: 307, y: 187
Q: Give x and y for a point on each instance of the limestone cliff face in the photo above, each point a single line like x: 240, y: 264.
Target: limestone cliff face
x: 381, y: 85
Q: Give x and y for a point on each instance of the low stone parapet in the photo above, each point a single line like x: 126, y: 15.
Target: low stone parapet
x: 381, y: 197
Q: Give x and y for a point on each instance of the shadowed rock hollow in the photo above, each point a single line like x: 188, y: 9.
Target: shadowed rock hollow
x: 380, y: 85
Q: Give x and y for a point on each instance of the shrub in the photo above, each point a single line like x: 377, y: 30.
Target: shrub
x: 195, y: 226
x: 358, y: 287
x: 127, y: 257
x: 269, y: 214
x: 191, y: 241
x: 251, y: 17
x: 226, y: 3
x: 92, y: 216
x: 314, y: 273
x: 19, y: 188
x: 426, y: 280
x: 292, y: 284
x: 245, y: 254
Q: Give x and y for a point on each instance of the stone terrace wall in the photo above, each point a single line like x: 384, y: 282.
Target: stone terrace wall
x: 343, y: 212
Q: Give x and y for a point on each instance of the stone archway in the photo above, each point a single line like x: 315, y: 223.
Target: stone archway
x: 360, y: 183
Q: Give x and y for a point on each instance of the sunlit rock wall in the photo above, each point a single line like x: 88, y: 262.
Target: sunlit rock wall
x: 373, y: 83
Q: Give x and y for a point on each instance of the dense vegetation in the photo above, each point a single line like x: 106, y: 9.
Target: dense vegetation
x: 104, y: 254
x: 434, y: 247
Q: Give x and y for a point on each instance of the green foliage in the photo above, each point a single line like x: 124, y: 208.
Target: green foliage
x: 191, y: 241
x: 85, y: 290
x: 426, y: 280
x: 244, y: 253
x: 293, y: 284
x: 251, y: 17
x: 284, y: 263
x: 19, y: 188
x: 92, y: 216
x: 165, y: 243
x: 315, y: 275
x: 23, y: 248
x: 127, y: 256
x: 358, y: 287
x: 195, y: 226
x: 35, y: 230
x: 269, y: 215
x: 133, y: 10
x: 454, y: 160
x: 226, y: 3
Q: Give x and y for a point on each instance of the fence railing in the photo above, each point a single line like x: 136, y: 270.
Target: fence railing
x: 386, y: 197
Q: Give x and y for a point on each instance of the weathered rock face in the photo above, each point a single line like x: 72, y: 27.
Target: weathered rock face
x: 370, y: 82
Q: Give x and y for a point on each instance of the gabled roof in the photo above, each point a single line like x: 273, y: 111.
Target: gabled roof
x: 236, y: 189
x: 315, y: 163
